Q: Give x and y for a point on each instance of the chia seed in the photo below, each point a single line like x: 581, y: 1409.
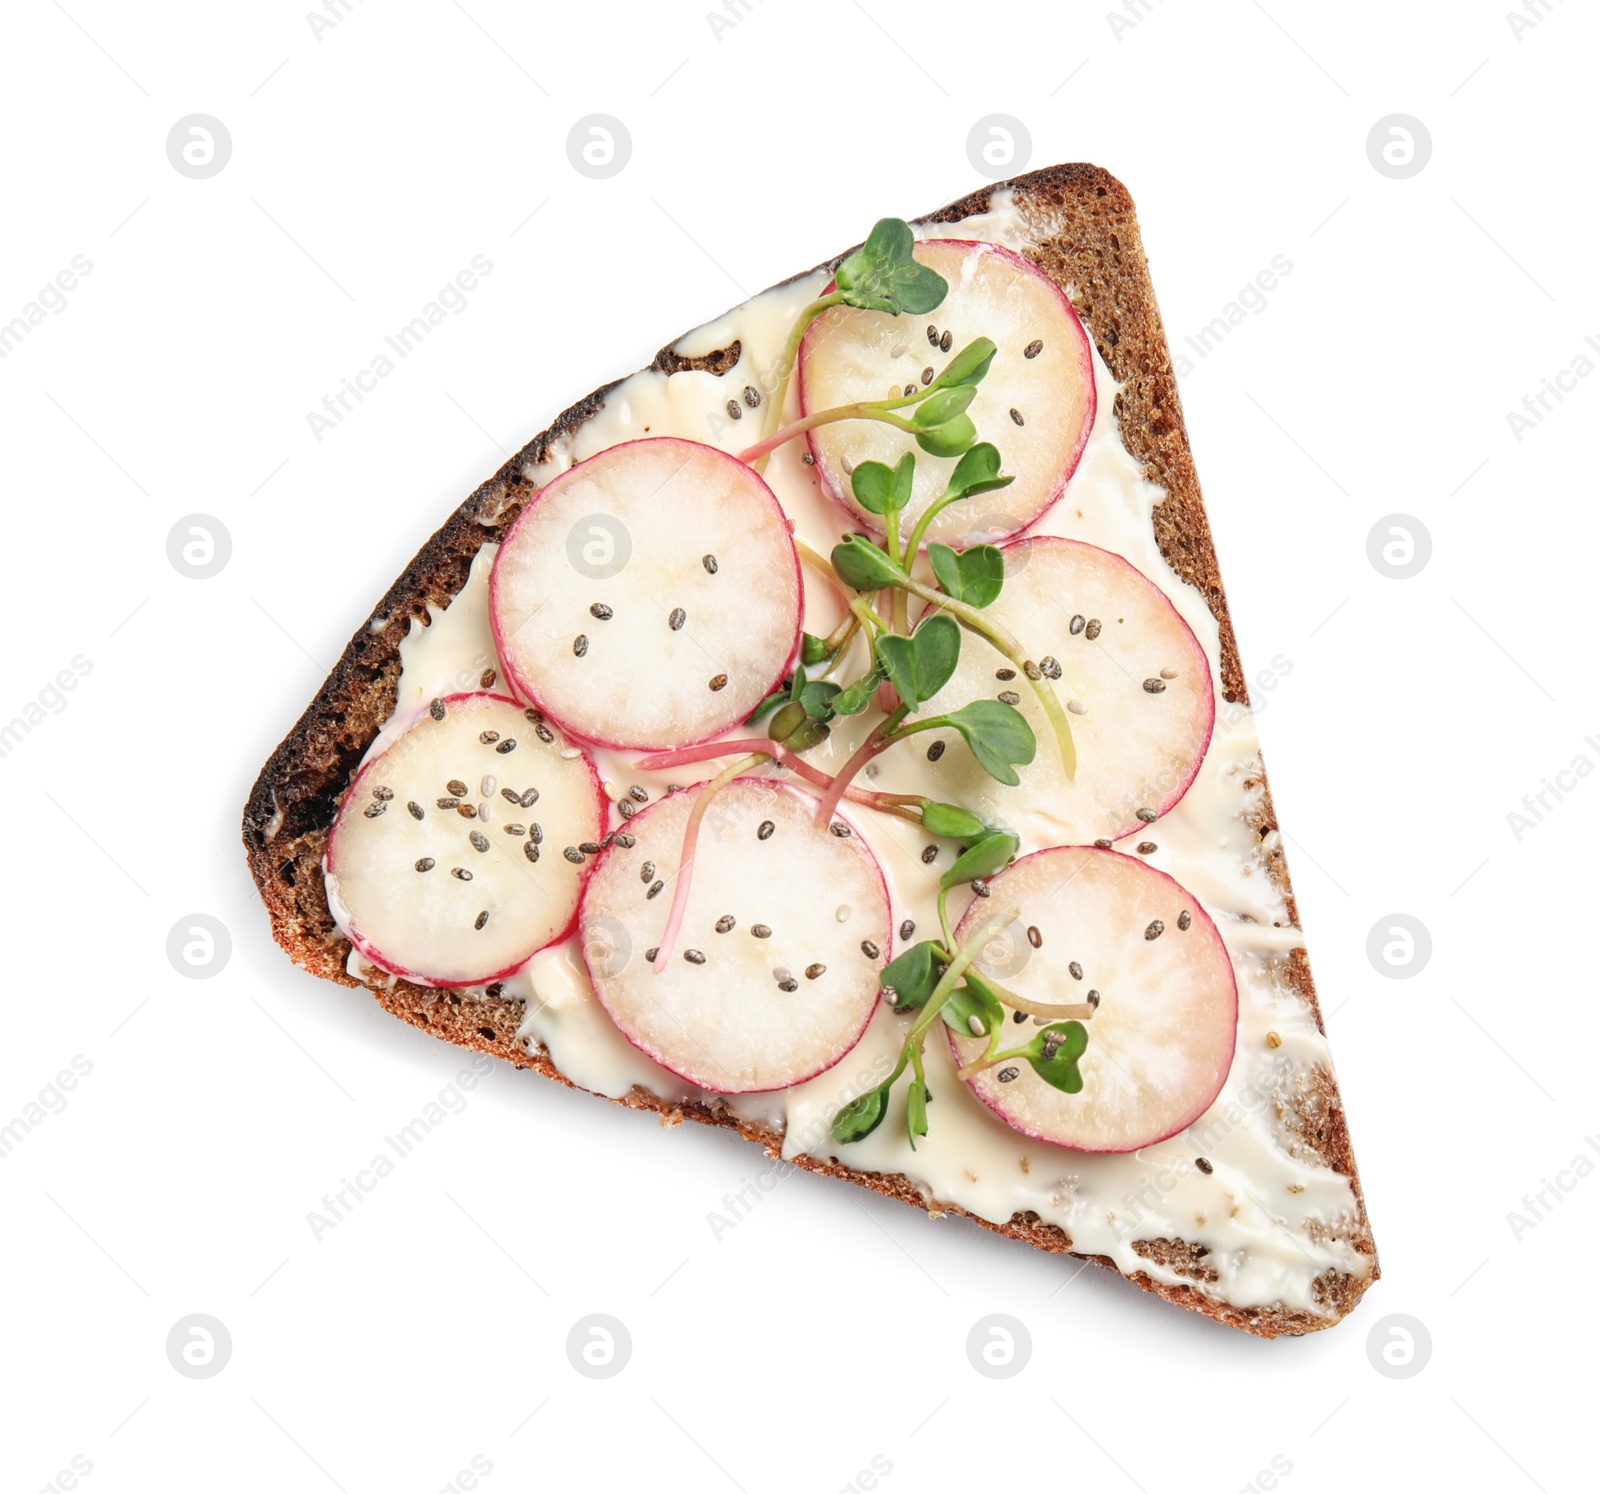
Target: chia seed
x: 761, y: 931
x: 414, y: 810
x: 1016, y: 415
x: 1076, y: 626
x: 574, y: 855
x: 1075, y: 970
x: 1033, y: 349
x: 1184, y: 920
x: 908, y: 928
x: 928, y: 853
x: 814, y: 972
x: 717, y: 682
x: 426, y: 863
x: 1204, y: 1165
x: 935, y: 751
x: 1093, y: 630
x: 710, y: 563
x: 601, y: 611
x: 655, y: 890
x: 481, y: 919
x: 1009, y: 697
x: 1049, y: 668
x: 752, y: 395
x: 764, y: 830
x: 457, y: 787
x: 460, y: 873
x: 436, y: 710
x: 1154, y: 929
x: 1008, y: 1073
x: 945, y: 341
x: 869, y: 949
x: 580, y: 645
x: 374, y: 809
x: 1154, y: 686
x: 725, y: 924
x: 676, y: 618
x: 480, y: 841
x: 1035, y: 938
x: 693, y: 956
x: 1005, y: 674
x: 734, y: 412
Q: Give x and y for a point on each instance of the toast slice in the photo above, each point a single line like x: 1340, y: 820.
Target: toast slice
x: 1077, y: 224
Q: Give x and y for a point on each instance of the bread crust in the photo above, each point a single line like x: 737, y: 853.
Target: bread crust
x: 1084, y: 221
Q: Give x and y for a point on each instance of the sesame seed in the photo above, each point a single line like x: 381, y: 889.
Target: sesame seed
x: 574, y: 855
x: 694, y: 957
x: 1149, y: 816
x: 460, y: 873
x: 1016, y: 415
x: 928, y: 853
x: 725, y: 923
x: 1049, y: 668
x: 1005, y: 674
x: 1075, y: 970
x: 1077, y: 624
x: 1077, y: 707
x: 486, y: 680
x: 717, y: 682
x: 529, y: 798
x: 1184, y: 920
x: 374, y: 809
x: 1008, y: 1073
x: 480, y: 841
x: 734, y: 412
x: 840, y: 829
x: 487, y: 737
x: 945, y: 341
x: 1154, y: 686
x: 426, y: 863
x: 655, y: 890
x: 601, y: 611
x: 869, y: 949
x: 764, y: 830
x: 1146, y: 848
x: 1204, y: 1165
x: 457, y: 787
x: 1092, y: 631
x: 1169, y: 674
x: 580, y: 645
x: 935, y: 751
x: 531, y: 850
x: 761, y: 931
x: 908, y: 928
x: 414, y: 809
x: 1035, y: 938
x: 481, y: 919
x: 1009, y: 697
x: 814, y: 972
x: 676, y: 618
x: 752, y: 395
x: 1033, y: 349
x: 710, y: 563
x: 436, y: 710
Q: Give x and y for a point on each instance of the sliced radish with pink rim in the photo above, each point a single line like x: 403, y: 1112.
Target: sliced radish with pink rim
x: 1133, y: 678
x: 1162, y: 1037
x: 648, y: 597
x: 434, y: 873
x: 849, y: 355
x: 775, y: 973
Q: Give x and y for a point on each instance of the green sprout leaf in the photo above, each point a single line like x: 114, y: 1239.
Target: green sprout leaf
x: 882, y: 276
x: 968, y: 366
x: 916, y: 1111
x: 941, y: 408
x: 862, y: 1116
x: 817, y: 699
x: 814, y: 650
x: 920, y: 666
x: 974, y: 576
x: 981, y: 859
x: 952, y: 821
x: 787, y: 720
x: 974, y: 999
x: 861, y: 564
x: 1054, y: 1054
x: 807, y: 734
x: 911, y: 975
x: 857, y: 695
x: 884, y: 490
x: 950, y: 439
x: 998, y: 736
x: 977, y: 472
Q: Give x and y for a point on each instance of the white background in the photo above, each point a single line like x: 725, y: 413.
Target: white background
x: 370, y: 165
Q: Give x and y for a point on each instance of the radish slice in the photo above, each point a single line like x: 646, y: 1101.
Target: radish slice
x: 775, y: 973
x: 849, y: 355
x: 453, y: 888
x: 1161, y: 1040
x: 1133, y: 677
x: 649, y: 597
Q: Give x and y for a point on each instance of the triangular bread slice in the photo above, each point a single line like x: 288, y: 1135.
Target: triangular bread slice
x: 1272, y: 1152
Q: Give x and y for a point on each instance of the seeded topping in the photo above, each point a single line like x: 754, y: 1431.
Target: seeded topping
x: 1035, y: 938
x: 1154, y: 686
x: 1146, y: 848
x: 627, y: 842
x: 651, y: 953
x: 518, y: 830
x: 1049, y: 668
x: 1274, y: 1041
x: 946, y: 340
x: 928, y: 854
x: 980, y: 887
x: 1008, y: 1073
x: 655, y: 890
x: 467, y: 811
x: 590, y: 847
x: 927, y: 374
x: 1092, y: 631
x: 1093, y: 998
x: 761, y: 931
x: 486, y: 788
x: 511, y: 796
x: 460, y: 873
x: 480, y: 841
x: 529, y: 799
x: 909, y: 390
x: 908, y: 928
x: 544, y: 733
x: 717, y: 682
x: 425, y: 863
x: 935, y: 751
x: 488, y: 736
x: 1075, y: 970
x: 1032, y: 670
x: 1009, y: 697
x: 813, y: 972
x: 481, y: 919
x: 580, y: 645
x: 933, y: 336
x: 379, y: 791
x: 1184, y: 920
x: 808, y: 459
x: 639, y: 793
x: 734, y: 412
x: 1204, y: 1165
x: 574, y: 855
x: 788, y: 983
x: 1169, y: 674
x: 647, y: 872
x: 764, y: 830
x: 414, y: 809
x: 536, y: 833
x: 676, y: 618
x: 436, y: 710
x: 1148, y: 815
x: 1019, y: 1016
x: 975, y: 1025
x: 725, y: 923
x: 627, y: 808
x: 531, y: 850
x: 601, y: 611
x: 1016, y: 415
x: 1005, y: 674
x: 752, y: 395
x: 1077, y: 624
x: 1033, y: 349
x: 693, y: 956
x: 457, y: 788
x: 486, y: 680
x: 710, y: 563
x: 374, y: 809
x: 1155, y: 929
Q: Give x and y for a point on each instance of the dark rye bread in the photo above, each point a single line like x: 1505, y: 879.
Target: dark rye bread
x: 1089, y: 237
